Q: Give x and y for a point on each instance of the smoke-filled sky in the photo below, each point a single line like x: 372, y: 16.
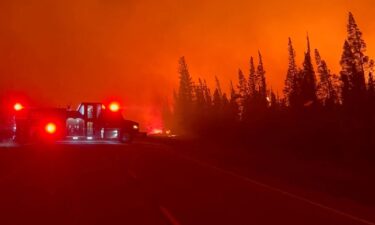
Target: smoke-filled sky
x: 66, y: 51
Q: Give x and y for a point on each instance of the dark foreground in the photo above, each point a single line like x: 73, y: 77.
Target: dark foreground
x: 147, y: 182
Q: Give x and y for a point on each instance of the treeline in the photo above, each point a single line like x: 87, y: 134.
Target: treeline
x: 317, y: 106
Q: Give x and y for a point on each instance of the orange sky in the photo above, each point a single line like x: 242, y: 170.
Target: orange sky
x: 67, y: 51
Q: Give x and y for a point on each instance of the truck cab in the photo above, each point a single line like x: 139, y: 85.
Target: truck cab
x: 94, y: 120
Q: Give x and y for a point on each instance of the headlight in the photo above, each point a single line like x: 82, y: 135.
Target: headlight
x: 135, y: 127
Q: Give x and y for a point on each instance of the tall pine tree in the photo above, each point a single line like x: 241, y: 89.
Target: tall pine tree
x: 371, y: 89
x: 291, y: 89
x: 261, y: 75
x: 252, y: 78
x: 185, y: 91
x: 243, y: 93
x: 325, y: 89
x: 308, y: 82
x: 353, y: 65
x: 184, y: 98
x: 234, y: 108
x: 352, y: 91
x: 357, y: 44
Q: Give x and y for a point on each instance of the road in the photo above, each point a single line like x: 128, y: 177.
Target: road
x: 141, y: 183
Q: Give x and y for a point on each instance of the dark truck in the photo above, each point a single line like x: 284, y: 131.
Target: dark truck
x: 91, y: 121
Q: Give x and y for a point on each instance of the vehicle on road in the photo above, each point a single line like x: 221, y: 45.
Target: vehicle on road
x: 91, y: 121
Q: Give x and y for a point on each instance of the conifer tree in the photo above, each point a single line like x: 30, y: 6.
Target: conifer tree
x: 242, y: 93
x: 199, y: 95
x: 352, y: 90
x: 357, y: 44
x: 252, y: 78
x: 242, y: 84
x: 308, y: 83
x: 291, y: 88
x: 325, y: 89
x: 184, y: 98
x: 353, y: 64
x: 371, y: 90
x: 234, y: 108
x: 185, y: 93
x: 345, y: 89
x: 261, y: 81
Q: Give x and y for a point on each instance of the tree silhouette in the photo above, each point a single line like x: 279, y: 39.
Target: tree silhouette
x: 291, y: 89
x: 185, y: 93
x: 311, y: 109
x: 199, y: 95
x: 184, y: 97
x: 242, y: 84
x: 261, y: 79
x: 325, y: 89
x: 371, y: 89
x: 252, y: 78
x: 353, y: 62
x: 233, y: 104
x: 352, y: 80
x: 242, y: 94
x: 371, y: 84
x: 308, y: 81
x: 357, y: 44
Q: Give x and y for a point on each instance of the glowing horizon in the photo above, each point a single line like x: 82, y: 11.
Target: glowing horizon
x: 65, y: 52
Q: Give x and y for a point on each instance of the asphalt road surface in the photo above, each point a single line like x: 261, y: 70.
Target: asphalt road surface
x: 141, y: 183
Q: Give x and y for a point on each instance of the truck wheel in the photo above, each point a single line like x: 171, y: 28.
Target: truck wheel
x: 125, y: 137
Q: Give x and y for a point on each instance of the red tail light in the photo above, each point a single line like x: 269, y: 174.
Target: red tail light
x: 50, y: 128
x: 114, y: 107
x: 18, y: 107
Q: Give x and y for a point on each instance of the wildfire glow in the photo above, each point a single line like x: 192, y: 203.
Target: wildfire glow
x: 156, y: 131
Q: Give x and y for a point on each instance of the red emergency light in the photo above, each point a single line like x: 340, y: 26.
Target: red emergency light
x: 50, y: 128
x: 114, y: 107
x: 18, y: 107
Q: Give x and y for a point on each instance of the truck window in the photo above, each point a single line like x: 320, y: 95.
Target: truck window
x: 90, y: 111
x: 98, y: 110
x: 82, y: 109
